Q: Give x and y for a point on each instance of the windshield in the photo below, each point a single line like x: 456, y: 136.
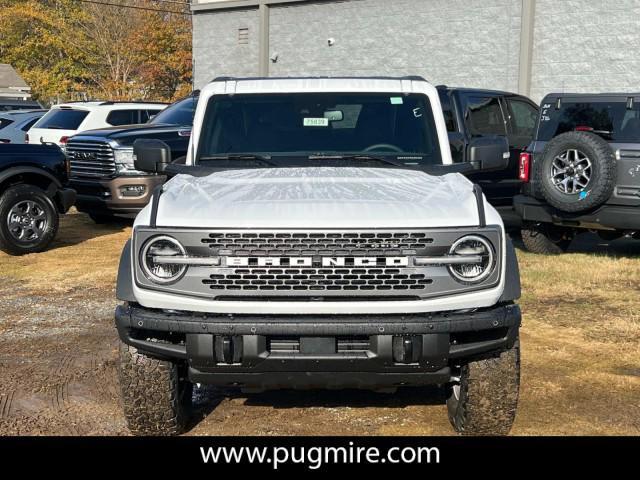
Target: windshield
x: 62, y: 119
x: 179, y: 113
x: 394, y: 126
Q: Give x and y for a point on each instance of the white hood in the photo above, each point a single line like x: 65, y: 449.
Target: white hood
x: 318, y: 197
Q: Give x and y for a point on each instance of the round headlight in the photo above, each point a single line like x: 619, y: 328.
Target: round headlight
x: 481, y: 259
x: 155, y: 259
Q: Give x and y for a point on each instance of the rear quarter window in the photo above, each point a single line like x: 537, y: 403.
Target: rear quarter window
x: 610, y: 119
x: 62, y: 119
x: 123, y: 117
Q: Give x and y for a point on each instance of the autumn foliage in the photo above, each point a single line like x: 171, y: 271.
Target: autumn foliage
x: 71, y: 50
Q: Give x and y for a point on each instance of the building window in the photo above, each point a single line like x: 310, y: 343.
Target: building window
x: 243, y: 36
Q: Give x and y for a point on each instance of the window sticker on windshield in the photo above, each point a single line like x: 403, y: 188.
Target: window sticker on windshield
x: 316, y: 122
x: 396, y: 100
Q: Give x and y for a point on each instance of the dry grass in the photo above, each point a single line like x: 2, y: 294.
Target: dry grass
x: 580, y: 339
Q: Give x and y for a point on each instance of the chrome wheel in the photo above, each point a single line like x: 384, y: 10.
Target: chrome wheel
x: 571, y: 171
x: 27, y: 221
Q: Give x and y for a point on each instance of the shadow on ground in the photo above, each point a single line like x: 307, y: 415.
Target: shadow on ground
x: 76, y: 228
x: 592, y: 243
x: 207, y: 398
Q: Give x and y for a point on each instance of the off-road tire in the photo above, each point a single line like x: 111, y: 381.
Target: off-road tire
x: 488, y: 395
x: 546, y: 239
x: 12, y: 197
x: 155, y: 393
x: 603, y: 175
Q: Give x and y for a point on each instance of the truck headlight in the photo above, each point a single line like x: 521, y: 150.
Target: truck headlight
x: 155, y: 259
x: 124, y: 159
x: 483, y: 259
x: 123, y: 156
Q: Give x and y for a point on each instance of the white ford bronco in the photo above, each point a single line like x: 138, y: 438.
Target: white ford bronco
x: 319, y: 236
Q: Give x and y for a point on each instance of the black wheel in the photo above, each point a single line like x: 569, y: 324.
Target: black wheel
x: 546, y: 239
x: 155, y: 393
x: 101, y: 219
x: 28, y: 220
x: 484, y: 400
x: 577, y: 171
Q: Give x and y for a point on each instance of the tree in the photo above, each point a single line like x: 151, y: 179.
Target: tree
x: 62, y: 47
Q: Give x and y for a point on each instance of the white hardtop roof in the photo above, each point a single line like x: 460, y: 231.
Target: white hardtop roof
x: 317, y: 84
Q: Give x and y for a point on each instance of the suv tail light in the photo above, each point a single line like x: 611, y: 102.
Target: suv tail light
x: 524, y: 167
x: 63, y: 140
x: 26, y: 138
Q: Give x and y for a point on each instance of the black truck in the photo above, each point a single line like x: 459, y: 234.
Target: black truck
x: 471, y: 116
x: 33, y: 193
x: 102, y: 170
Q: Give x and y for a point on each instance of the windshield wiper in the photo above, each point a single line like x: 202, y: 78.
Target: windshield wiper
x: 357, y: 157
x: 240, y: 156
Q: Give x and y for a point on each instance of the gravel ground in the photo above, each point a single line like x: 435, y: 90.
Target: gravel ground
x: 581, y: 374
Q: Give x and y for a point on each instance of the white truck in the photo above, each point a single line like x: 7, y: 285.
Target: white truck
x: 319, y: 236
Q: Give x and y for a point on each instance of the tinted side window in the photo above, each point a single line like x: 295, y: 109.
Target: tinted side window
x: 179, y: 113
x: 523, y: 117
x: 612, y: 120
x: 5, y: 122
x: 62, y: 119
x: 447, y: 111
x: 484, y: 116
x: 29, y: 124
x: 122, y: 117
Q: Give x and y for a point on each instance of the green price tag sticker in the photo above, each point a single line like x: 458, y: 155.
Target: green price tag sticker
x: 316, y: 122
x: 396, y: 100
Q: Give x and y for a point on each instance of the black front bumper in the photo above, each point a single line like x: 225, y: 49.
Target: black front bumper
x: 606, y: 217
x: 328, y: 351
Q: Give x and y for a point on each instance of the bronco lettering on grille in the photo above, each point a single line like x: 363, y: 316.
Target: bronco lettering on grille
x: 323, y: 261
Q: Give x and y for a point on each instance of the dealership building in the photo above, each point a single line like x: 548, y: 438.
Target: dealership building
x: 528, y: 46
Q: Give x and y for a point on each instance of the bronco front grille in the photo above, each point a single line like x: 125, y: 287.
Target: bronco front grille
x: 319, y: 265
x: 90, y: 159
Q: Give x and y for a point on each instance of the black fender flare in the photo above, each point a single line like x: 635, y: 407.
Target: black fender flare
x: 63, y: 201
x: 124, y: 282
x: 14, y: 171
x: 512, y: 289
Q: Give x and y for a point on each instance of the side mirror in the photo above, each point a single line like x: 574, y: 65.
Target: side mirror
x: 151, y: 156
x: 489, y: 153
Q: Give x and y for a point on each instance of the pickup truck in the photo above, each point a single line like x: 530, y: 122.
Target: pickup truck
x: 33, y: 193
x: 319, y: 235
x: 102, y: 170
x: 472, y: 115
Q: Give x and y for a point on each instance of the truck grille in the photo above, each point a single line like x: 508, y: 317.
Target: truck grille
x: 316, y: 265
x: 90, y: 159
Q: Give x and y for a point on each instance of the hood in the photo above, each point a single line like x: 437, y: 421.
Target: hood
x: 128, y: 133
x: 320, y: 197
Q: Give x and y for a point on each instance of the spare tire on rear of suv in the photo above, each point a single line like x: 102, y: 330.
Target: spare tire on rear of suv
x: 577, y: 172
